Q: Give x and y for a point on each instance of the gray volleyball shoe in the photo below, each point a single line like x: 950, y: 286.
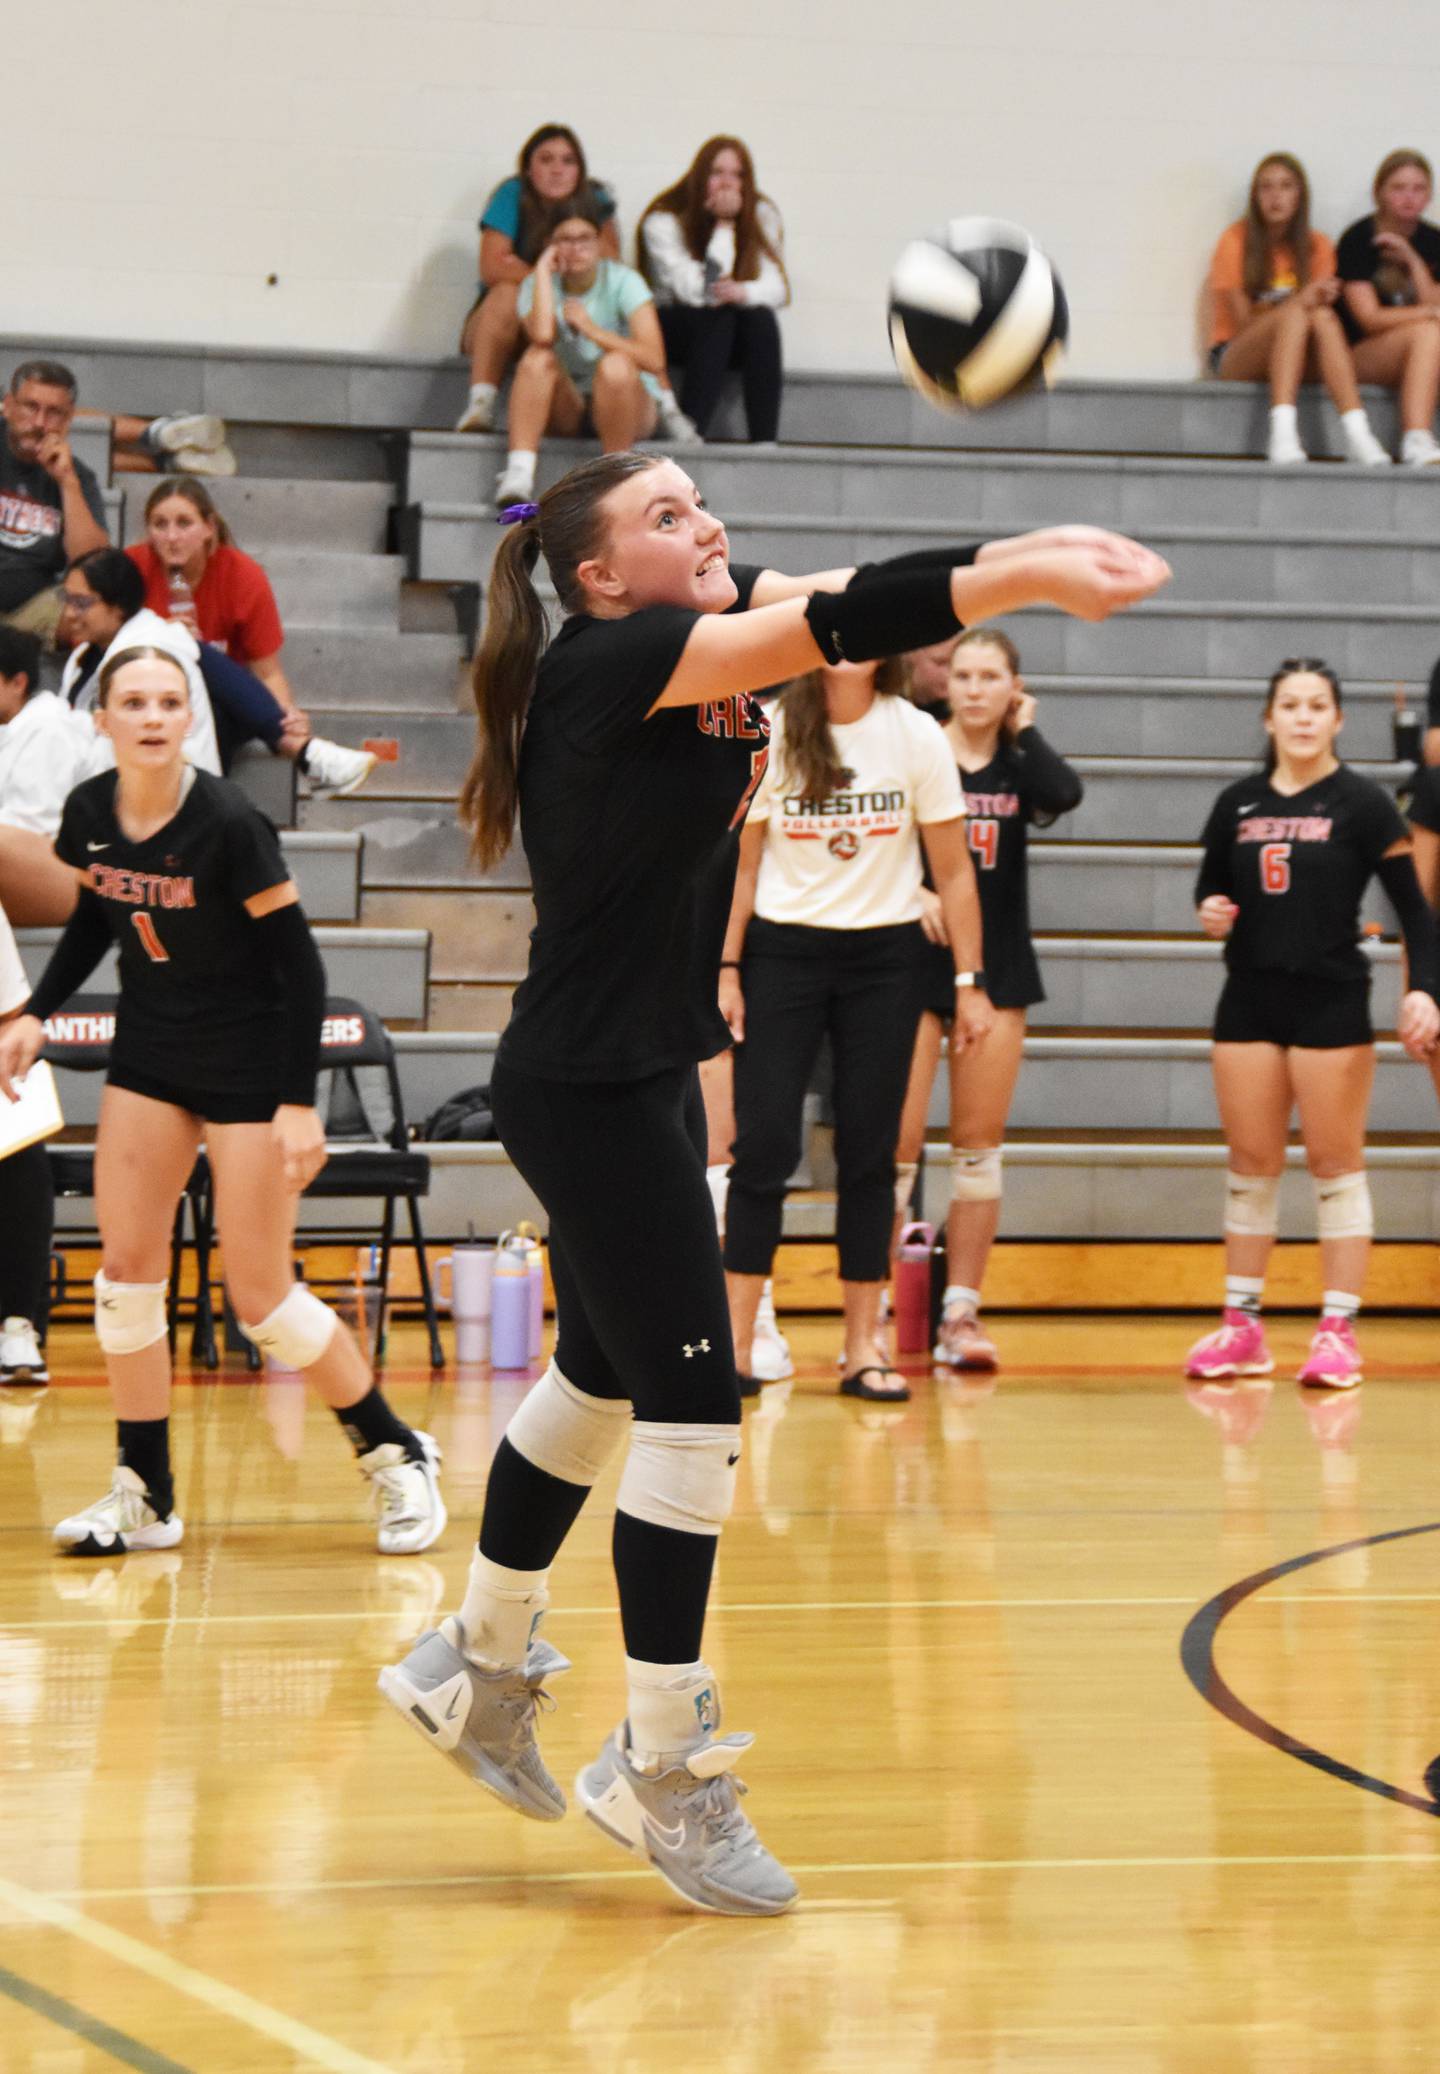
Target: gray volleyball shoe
x: 688, y: 1822
x: 484, y: 1721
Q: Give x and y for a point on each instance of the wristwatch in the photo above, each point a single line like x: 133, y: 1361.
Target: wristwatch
x: 970, y: 979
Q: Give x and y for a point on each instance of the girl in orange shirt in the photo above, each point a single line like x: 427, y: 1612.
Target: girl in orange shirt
x: 1273, y: 288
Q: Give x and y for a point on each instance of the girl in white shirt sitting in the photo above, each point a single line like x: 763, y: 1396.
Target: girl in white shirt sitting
x: 824, y: 938
x: 710, y: 247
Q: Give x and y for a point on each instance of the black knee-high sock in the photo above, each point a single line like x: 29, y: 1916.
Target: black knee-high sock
x: 664, y: 1580
x: 527, y: 1512
x: 144, y: 1446
x: 371, y: 1423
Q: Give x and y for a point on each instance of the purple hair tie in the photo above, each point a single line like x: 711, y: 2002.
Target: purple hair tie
x: 516, y: 514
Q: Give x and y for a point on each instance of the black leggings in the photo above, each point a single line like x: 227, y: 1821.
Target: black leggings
x: 857, y: 986
x: 710, y: 343
x: 27, y: 1226
x: 639, y: 1293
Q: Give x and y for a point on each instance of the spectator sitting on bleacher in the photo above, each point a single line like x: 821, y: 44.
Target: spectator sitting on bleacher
x: 1272, y: 316
x: 710, y: 247
x: 45, y: 750
x: 105, y: 592
x: 594, y: 356
x: 50, y: 504
x: 514, y: 231
x: 1390, y: 305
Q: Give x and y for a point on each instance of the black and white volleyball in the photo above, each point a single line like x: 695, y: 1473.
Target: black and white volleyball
x: 977, y: 313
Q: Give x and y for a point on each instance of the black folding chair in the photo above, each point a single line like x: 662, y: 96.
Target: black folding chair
x: 78, y: 1039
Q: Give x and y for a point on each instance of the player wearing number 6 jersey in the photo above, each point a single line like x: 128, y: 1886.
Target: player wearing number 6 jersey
x: 1013, y: 781
x: 1288, y: 855
x: 222, y: 996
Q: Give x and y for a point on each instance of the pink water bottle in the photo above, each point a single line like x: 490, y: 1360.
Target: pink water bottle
x: 510, y: 1303
x: 912, y: 1288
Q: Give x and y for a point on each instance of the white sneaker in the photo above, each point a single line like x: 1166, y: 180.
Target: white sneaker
x: 769, y: 1350
x: 1419, y: 450
x: 411, y: 1510
x: 122, y: 1520
x: 1362, y: 447
x: 479, y: 413
x: 674, y: 425
x: 332, y: 768
x: 202, y: 432
x: 516, y: 484
x: 204, y: 460
x: 1285, y: 450
x: 21, y: 1360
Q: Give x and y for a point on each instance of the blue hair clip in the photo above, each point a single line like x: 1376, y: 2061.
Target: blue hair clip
x: 516, y: 514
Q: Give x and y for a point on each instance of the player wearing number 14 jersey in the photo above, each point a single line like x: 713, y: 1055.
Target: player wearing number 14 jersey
x: 1013, y: 781
x: 1288, y: 855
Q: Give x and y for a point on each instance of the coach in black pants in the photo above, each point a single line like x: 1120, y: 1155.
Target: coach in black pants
x: 825, y: 940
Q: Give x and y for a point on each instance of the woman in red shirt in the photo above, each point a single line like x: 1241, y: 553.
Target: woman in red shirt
x: 1273, y: 291
x: 195, y: 573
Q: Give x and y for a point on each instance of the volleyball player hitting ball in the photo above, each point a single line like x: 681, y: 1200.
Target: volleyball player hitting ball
x: 217, y: 1035
x: 630, y: 748
x: 1289, y: 852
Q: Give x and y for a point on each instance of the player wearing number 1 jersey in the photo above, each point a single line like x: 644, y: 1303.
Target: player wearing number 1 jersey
x: 1013, y: 781
x: 1288, y: 855
x: 222, y: 996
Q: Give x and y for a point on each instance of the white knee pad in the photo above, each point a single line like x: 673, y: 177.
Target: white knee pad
x: 974, y: 1176
x: 565, y: 1431
x: 1343, y: 1208
x: 905, y: 1172
x: 1252, y: 1204
x: 297, y: 1331
x: 129, y: 1316
x: 680, y: 1476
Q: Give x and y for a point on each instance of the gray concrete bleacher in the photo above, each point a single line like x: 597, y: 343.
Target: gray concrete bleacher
x: 370, y: 517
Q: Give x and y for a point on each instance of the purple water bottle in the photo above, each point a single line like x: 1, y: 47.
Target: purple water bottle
x: 535, y: 1263
x: 510, y: 1303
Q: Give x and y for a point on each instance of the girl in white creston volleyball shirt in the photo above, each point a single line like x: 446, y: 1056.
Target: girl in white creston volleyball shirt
x: 824, y: 939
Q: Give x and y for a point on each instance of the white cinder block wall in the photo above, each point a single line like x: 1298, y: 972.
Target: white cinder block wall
x: 167, y: 157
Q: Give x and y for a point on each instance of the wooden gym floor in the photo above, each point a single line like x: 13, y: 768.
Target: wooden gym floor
x: 1093, y: 1715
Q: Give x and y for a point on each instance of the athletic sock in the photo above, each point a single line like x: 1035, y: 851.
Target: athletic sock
x: 717, y: 1180
x: 500, y: 1612
x: 957, y: 1294
x: 1339, y: 1303
x: 483, y: 392
x: 672, y: 1709
x: 371, y: 1423
x: 528, y: 1512
x: 663, y: 1577
x: 520, y: 465
x: 144, y: 1446
x: 1283, y: 417
x: 1243, y: 1293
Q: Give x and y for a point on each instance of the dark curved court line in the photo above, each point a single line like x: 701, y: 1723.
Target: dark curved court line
x: 1197, y: 1655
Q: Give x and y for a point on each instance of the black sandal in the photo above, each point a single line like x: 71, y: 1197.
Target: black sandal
x: 856, y: 1386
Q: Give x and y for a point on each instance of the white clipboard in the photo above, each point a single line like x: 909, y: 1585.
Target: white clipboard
x: 36, y: 1115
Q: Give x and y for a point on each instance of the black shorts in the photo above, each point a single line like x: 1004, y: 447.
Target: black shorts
x: 1015, y: 984
x: 234, y: 1106
x: 1292, y: 1009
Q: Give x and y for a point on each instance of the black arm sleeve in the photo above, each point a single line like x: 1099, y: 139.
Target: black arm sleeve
x: 1417, y: 922
x: 1052, y: 786
x: 85, y: 940
x: 1433, y: 701
x: 1214, y: 873
x: 286, y: 939
x: 888, y: 607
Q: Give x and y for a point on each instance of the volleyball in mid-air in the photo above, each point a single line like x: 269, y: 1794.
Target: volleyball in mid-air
x: 977, y: 313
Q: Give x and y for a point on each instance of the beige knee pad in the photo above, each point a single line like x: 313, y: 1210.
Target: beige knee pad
x: 1252, y: 1204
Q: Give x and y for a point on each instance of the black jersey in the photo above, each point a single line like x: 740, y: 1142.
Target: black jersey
x: 1025, y: 783
x: 199, y: 1003
x: 631, y: 829
x: 1297, y: 865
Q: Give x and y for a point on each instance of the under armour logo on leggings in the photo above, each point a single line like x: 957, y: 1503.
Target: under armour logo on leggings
x: 700, y: 1347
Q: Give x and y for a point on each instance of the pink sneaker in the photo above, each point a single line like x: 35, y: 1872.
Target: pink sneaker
x: 962, y: 1342
x: 1334, y: 1362
x: 1237, y: 1347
